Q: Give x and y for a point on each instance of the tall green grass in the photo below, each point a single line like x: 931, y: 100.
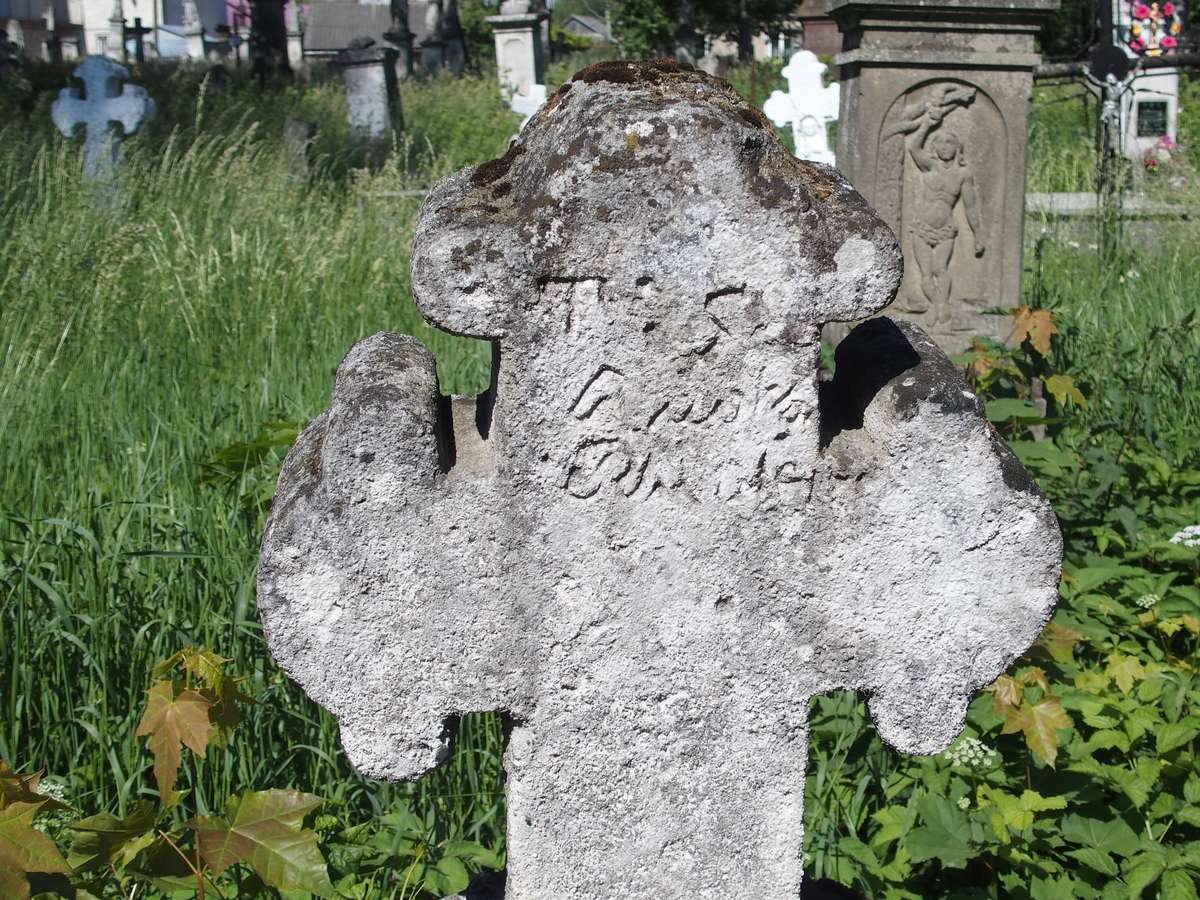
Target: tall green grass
x: 140, y: 339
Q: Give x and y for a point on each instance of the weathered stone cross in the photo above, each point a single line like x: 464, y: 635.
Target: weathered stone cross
x: 656, y: 537
x: 807, y: 106
x: 103, y: 103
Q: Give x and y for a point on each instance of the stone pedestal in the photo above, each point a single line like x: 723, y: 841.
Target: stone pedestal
x: 934, y: 105
x: 371, y: 95
x: 295, y: 35
x: 520, y: 54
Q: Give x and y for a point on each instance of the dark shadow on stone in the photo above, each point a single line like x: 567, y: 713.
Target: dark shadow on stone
x: 871, y: 355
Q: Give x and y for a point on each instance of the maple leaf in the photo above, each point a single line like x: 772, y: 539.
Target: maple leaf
x: 1006, y: 694
x: 1036, y: 325
x: 264, y: 829
x: 23, y: 788
x: 1060, y: 641
x: 1039, y: 722
x: 1035, y: 675
x: 223, y: 711
x: 173, y: 718
x: 24, y: 849
x: 1063, y: 388
x: 1124, y: 670
x: 99, y: 838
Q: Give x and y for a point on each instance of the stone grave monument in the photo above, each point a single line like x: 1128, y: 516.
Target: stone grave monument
x: 105, y: 109
x: 655, y: 537
x: 520, y: 53
x: 193, y: 31
x: 932, y: 132
x: 1150, y: 108
x: 298, y: 136
x: 400, y: 36
x: 371, y: 94
x: 808, y: 106
x: 526, y: 105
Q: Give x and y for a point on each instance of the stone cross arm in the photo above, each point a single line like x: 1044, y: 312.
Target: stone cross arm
x: 103, y: 100
x: 657, y: 535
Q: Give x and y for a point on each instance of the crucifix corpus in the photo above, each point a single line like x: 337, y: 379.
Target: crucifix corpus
x: 657, y: 536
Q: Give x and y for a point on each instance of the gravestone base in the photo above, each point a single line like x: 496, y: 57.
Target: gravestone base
x: 934, y: 108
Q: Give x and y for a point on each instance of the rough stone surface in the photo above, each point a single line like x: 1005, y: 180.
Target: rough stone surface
x: 106, y: 110
x: 932, y: 131
x: 654, y: 540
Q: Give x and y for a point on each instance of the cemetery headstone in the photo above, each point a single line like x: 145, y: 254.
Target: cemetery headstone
x: 298, y: 136
x: 455, y: 38
x: 807, y: 106
x: 932, y: 130
x: 371, y: 95
x: 51, y: 43
x: 400, y: 36
x: 520, y: 54
x: 115, y: 45
x: 11, y: 50
x: 527, y: 104
x: 193, y: 31
x: 268, y: 38
x: 1149, y: 110
x: 655, y: 538
x: 433, y: 45
x: 294, y: 29
x: 105, y: 109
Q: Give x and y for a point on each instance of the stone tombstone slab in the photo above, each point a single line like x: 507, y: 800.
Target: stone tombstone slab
x: 106, y: 110
x: 807, y: 107
x: 520, y: 52
x: 655, y: 538
x: 932, y: 132
x: 372, y: 97
x: 526, y: 105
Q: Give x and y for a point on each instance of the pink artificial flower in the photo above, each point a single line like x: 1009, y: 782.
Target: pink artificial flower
x: 1137, y: 44
x: 1168, y: 42
x: 1141, y: 11
x: 1168, y: 8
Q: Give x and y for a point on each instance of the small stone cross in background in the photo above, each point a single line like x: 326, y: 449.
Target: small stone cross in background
x: 658, y: 535
x: 807, y: 106
x: 103, y: 103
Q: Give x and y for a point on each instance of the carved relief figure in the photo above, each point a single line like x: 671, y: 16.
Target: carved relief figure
x: 946, y: 179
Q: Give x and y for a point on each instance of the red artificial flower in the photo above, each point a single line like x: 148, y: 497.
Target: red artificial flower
x: 1168, y: 42
x: 1168, y: 8
x: 1137, y: 44
x: 1141, y: 11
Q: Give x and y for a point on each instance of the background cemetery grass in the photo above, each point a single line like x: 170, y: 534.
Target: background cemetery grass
x: 157, y: 358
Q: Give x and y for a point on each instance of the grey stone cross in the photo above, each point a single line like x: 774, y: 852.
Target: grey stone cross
x: 103, y: 103
x: 657, y: 536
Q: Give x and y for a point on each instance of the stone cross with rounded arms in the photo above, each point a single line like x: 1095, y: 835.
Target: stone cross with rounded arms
x: 103, y: 103
x: 657, y: 536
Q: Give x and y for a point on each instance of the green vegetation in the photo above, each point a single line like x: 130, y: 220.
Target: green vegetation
x: 157, y: 358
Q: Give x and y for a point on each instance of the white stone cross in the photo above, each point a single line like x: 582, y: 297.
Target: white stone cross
x: 655, y: 538
x: 103, y: 103
x: 527, y: 104
x: 807, y: 106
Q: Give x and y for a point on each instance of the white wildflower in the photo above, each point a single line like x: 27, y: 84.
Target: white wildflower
x: 1189, y: 537
x: 1074, y: 245
x: 1133, y: 274
x: 973, y: 754
x: 964, y: 802
x: 1146, y: 601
